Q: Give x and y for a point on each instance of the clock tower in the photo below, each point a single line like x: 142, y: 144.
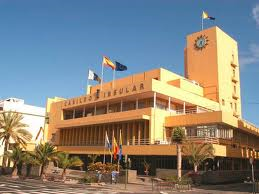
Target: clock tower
x: 211, y: 59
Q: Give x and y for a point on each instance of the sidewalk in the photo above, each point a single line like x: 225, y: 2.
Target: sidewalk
x: 131, y: 188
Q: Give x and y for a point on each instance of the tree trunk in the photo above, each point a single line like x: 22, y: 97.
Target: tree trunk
x: 4, y: 157
x: 195, y: 166
x: 179, y: 161
x: 15, y: 170
x: 42, y: 175
x: 64, y: 175
x: 28, y: 170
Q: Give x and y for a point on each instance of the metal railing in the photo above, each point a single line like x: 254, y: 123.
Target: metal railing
x: 197, y: 139
x: 138, y: 142
x: 83, y: 143
x: 132, y: 142
x: 190, y: 111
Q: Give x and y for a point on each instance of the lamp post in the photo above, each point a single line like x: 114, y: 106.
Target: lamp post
x: 128, y: 165
x: 251, y: 160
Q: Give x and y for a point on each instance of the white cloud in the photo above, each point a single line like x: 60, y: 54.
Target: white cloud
x: 250, y: 57
x: 255, y: 13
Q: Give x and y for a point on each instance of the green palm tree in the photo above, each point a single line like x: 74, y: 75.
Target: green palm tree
x: 197, y: 153
x: 65, y: 162
x: 12, y: 128
x: 45, y: 153
x: 16, y: 156
x: 30, y: 160
x: 177, y: 137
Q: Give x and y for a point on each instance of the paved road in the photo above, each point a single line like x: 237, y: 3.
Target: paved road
x: 9, y: 186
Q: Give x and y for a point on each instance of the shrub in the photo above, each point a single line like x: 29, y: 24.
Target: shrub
x: 98, y: 166
x: 185, y: 180
x: 89, y: 179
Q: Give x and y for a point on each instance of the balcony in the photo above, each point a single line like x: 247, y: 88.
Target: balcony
x: 191, y: 111
x: 235, y: 96
x: 234, y: 79
x: 233, y: 64
x: 136, y: 114
x: 197, y: 139
x: 235, y: 114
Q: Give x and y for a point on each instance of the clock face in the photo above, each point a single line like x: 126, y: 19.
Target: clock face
x: 201, y: 42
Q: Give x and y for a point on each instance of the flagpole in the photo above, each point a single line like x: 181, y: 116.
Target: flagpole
x: 112, y: 144
x: 104, y: 148
x: 118, y: 165
x: 102, y: 79
x: 87, y: 81
x: 201, y: 22
x: 113, y: 77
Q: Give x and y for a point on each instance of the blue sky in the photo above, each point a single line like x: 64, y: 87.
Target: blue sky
x: 46, y: 47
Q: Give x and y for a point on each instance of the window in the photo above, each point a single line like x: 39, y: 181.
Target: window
x: 101, y: 110
x: 68, y: 114
x: 234, y: 72
x: 161, y: 104
x: 141, y: 104
x: 114, y: 108
x: 235, y: 106
x: 89, y: 112
x: 129, y: 106
x: 223, y: 102
x: 235, y: 89
x: 79, y: 113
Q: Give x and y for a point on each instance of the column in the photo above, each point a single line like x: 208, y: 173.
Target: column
x: 137, y: 103
x: 128, y: 133
x: 154, y: 105
x: 121, y: 105
x: 83, y: 138
x: 75, y: 136
x: 139, y: 133
x: 74, y: 113
x: 100, y: 135
x: 133, y: 132
x: 107, y: 108
x: 169, y: 103
x: 67, y: 137
x: 95, y: 109
x: 84, y: 112
x: 91, y: 131
x: 183, y: 107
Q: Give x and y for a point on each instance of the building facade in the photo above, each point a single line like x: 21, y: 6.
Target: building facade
x: 146, y: 107
x: 33, y: 116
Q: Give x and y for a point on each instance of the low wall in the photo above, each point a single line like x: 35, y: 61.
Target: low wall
x: 164, y: 173
x: 212, y: 177
x: 226, y: 176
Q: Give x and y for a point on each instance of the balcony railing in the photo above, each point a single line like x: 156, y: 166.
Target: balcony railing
x: 83, y: 143
x: 234, y: 79
x: 138, y: 142
x: 234, y: 95
x: 191, y: 111
x: 197, y: 139
x: 135, y: 142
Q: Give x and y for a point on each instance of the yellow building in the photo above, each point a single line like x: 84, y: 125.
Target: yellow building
x: 147, y: 106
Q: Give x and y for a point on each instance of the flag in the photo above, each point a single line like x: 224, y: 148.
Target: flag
x: 115, y: 149
x: 107, y: 142
x: 93, y: 76
x: 120, y: 147
x: 205, y: 15
x: 107, y: 62
x: 120, y: 67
